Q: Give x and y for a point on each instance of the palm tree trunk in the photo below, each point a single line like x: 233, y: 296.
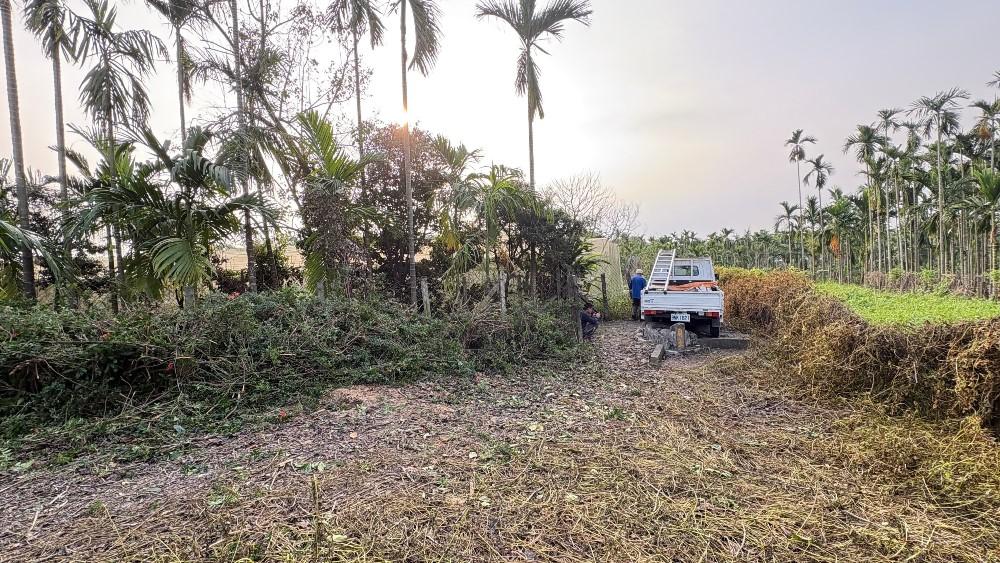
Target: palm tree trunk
x: 240, y: 110
x: 60, y: 126
x: 914, y: 217
x: 27, y: 259
x: 109, y: 243
x: 407, y: 181
x: 802, y: 243
x: 61, y: 154
x: 788, y: 218
x: 878, y: 228
x: 993, y: 251
x: 365, y: 234
x: 531, y: 144
x: 941, y: 244
x: 112, y: 161
x: 899, y: 223
x: 180, y: 86
x: 120, y: 272
x: 822, y: 233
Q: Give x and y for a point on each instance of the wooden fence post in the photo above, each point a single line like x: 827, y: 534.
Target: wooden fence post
x: 427, y: 296
x: 604, y: 294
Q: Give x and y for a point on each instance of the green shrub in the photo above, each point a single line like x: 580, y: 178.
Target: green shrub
x: 620, y: 307
x: 895, y: 274
x: 928, y: 277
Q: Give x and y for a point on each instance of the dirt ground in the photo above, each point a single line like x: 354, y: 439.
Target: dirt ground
x: 609, y: 461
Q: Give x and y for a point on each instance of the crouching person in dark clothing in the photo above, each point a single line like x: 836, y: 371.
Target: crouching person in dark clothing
x: 589, y: 318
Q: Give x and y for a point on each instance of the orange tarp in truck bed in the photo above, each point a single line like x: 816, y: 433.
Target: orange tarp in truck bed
x: 694, y: 285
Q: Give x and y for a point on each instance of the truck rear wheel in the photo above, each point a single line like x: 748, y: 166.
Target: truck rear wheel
x: 714, y: 332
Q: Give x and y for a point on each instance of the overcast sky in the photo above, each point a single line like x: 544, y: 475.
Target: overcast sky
x: 681, y: 106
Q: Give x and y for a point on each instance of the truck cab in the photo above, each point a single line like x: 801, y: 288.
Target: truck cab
x: 683, y: 290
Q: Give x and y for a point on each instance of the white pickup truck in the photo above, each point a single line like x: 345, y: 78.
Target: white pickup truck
x: 683, y: 290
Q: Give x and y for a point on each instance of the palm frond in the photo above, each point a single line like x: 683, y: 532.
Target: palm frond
x: 181, y: 260
x: 427, y: 34
x: 552, y: 19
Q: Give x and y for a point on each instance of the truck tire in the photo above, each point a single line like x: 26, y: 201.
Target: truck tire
x: 714, y: 332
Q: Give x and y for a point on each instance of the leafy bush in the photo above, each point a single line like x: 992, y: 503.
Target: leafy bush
x: 620, y: 307
x: 895, y: 274
x: 928, y: 277
x: 228, y: 358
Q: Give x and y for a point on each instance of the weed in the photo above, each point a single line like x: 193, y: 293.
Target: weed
x: 222, y: 495
x: 95, y: 509
x: 615, y: 413
x: 501, y: 452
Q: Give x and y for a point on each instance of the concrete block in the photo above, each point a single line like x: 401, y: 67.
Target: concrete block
x: 656, y: 356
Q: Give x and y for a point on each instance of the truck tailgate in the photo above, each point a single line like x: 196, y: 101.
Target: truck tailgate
x: 683, y: 301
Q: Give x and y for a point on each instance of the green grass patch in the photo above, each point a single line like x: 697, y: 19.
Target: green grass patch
x: 898, y: 308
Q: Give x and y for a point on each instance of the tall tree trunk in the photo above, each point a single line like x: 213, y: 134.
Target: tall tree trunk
x: 899, y: 222
x: 61, y: 155
x: 802, y: 242
x: 120, y: 272
x: 993, y: 252
x: 109, y: 243
x: 365, y: 234
x: 914, y: 218
x: 190, y: 296
x: 112, y: 161
x: 532, y: 254
x: 27, y: 259
x: 878, y: 228
x: 531, y: 143
x: 247, y: 223
x: 407, y: 181
x: 822, y: 232
x: 60, y: 126
x: 180, y: 85
x: 940, y: 178
x: 789, y: 219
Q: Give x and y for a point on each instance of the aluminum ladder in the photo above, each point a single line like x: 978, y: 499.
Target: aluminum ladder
x: 663, y: 268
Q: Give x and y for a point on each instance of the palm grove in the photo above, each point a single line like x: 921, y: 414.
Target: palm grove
x: 269, y: 165
x: 924, y: 214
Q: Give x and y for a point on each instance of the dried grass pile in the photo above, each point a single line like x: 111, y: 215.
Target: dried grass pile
x: 935, y: 369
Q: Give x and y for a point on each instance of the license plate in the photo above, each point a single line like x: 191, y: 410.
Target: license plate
x: 680, y: 317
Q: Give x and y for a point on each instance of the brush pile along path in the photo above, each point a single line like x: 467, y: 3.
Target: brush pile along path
x: 611, y: 461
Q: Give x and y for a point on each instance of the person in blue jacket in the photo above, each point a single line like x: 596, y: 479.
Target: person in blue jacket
x: 589, y: 319
x: 636, y: 285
